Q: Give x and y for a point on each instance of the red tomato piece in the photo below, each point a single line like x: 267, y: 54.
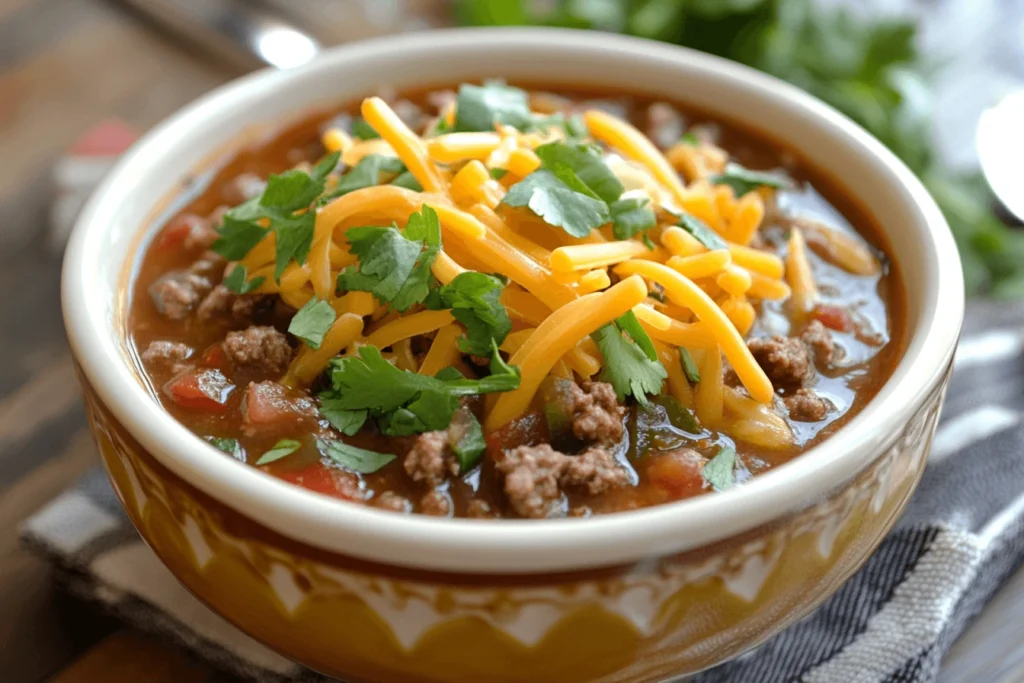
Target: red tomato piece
x: 268, y: 404
x: 214, y: 356
x: 204, y: 390
x: 834, y: 317
x: 174, y: 234
x: 323, y: 479
x: 677, y: 472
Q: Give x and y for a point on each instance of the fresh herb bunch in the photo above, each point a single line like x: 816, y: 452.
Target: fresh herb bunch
x: 870, y: 70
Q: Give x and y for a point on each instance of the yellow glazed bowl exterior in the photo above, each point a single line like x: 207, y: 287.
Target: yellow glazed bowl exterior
x: 644, y: 621
x: 367, y: 595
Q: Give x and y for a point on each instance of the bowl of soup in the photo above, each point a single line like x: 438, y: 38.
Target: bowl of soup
x: 512, y: 354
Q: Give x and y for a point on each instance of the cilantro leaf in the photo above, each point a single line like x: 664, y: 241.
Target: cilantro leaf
x: 441, y: 126
x: 353, y: 458
x: 312, y: 321
x: 394, y: 265
x: 366, y: 173
x: 281, y: 449
x: 348, y: 422
x: 631, y: 216
x: 700, y: 230
x: 586, y: 162
x: 294, y: 240
x: 743, y: 180
x: 474, y: 299
x: 235, y: 238
x: 237, y: 283
x: 720, y: 470
x: 362, y: 130
x: 227, y: 445
x: 404, y: 402
x: 548, y: 196
x: 689, y: 138
x: 689, y: 367
x: 629, y: 324
x: 626, y: 367
x: 498, y: 173
x: 407, y: 180
x: 480, y: 107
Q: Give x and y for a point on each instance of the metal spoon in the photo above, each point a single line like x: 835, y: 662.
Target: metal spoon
x: 1000, y: 140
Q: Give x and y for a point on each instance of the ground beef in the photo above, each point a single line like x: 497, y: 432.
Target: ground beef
x: 260, y: 346
x: 784, y: 359
x: 389, y: 500
x: 665, y: 125
x: 202, y: 233
x: 597, y: 415
x: 242, y: 307
x: 177, y: 293
x: 807, y: 406
x: 210, y: 265
x: 437, y: 504
x: 819, y: 340
x: 430, y: 459
x: 581, y: 511
x: 479, y: 509
x: 535, y: 475
x: 163, y: 355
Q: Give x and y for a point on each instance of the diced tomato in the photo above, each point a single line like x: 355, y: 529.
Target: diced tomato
x: 174, y: 234
x: 214, y: 356
x: 677, y: 472
x: 323, y: 479
x: 834, y: 317
x: 267, y: 404
x: 204, y: 390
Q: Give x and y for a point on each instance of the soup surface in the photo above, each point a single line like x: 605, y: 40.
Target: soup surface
x: 488, y: 302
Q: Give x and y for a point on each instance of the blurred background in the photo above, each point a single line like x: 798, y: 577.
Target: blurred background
x: 80, y: 79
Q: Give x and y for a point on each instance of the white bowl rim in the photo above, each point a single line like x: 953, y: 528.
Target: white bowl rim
x: 512, y: 546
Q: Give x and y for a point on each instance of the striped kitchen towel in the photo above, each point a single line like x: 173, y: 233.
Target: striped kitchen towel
x: 961, y: 537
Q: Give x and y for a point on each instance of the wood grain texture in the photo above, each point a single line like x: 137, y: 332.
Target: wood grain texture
x: 128, y: 657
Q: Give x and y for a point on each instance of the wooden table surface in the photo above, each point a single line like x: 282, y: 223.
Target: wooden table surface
x: 64, y: 66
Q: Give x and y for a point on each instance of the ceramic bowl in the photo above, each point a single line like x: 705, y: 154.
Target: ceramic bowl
x: 367, y: 595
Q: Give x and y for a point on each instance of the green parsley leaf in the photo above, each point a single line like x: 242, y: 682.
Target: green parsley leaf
x: 235, y: 238
x: 498, y: 173
x: 743, y: 180
x: 366, y: 173
x: 586, y: 163
x: 312, y: 321
x: 348, y: 422
x: 690, y: 139
x: 699, y: 229
x: 227, y: 445
x: 630, y: 216
x: 352, y: 458
x: 720, y: 471
x: 466, y: 437
x: 548, y: 196
x: 237, y: 283
x: 480, y: 107
x: 689, y: 367
x: 404, y: 402
x: 362, y: 130
x: 626, y: 367
x: 474, y: 299
x: 407, y: 180
x: 394, y: 265
x: 281, y: 449
x: 629, y: 324
x: 294, y: 240
x: 441, y: 126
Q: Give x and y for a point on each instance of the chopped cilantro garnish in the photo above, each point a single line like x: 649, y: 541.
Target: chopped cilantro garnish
x: 689, y: 367
x: 690, y: 139
x: 366, y: 173
x: 407, y: 180
x: 283, y: 207
x: 404, y: 402
x: 441, y: 126
x: 466, y: 437
x: 499, y: 173
x: 362, y: 130
x: 352, y: 458
x: 474, y: 299
x: 629, y: 324
x: 227, y: 445
x: 312, y: 321
x: 743, y: 180
x: 236, y: 281
x: 559, y: 203
x: 348, y: 422
x: 631, y: 216
x: 395, y: 265
x: 700, y: 230
x: 281, y: 449
x: 586, y: 163
x: 626, y: 366
x: 480, y: 107
x: 720, y: 471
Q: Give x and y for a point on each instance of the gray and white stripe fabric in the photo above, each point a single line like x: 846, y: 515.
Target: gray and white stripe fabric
x: 959, y: 540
